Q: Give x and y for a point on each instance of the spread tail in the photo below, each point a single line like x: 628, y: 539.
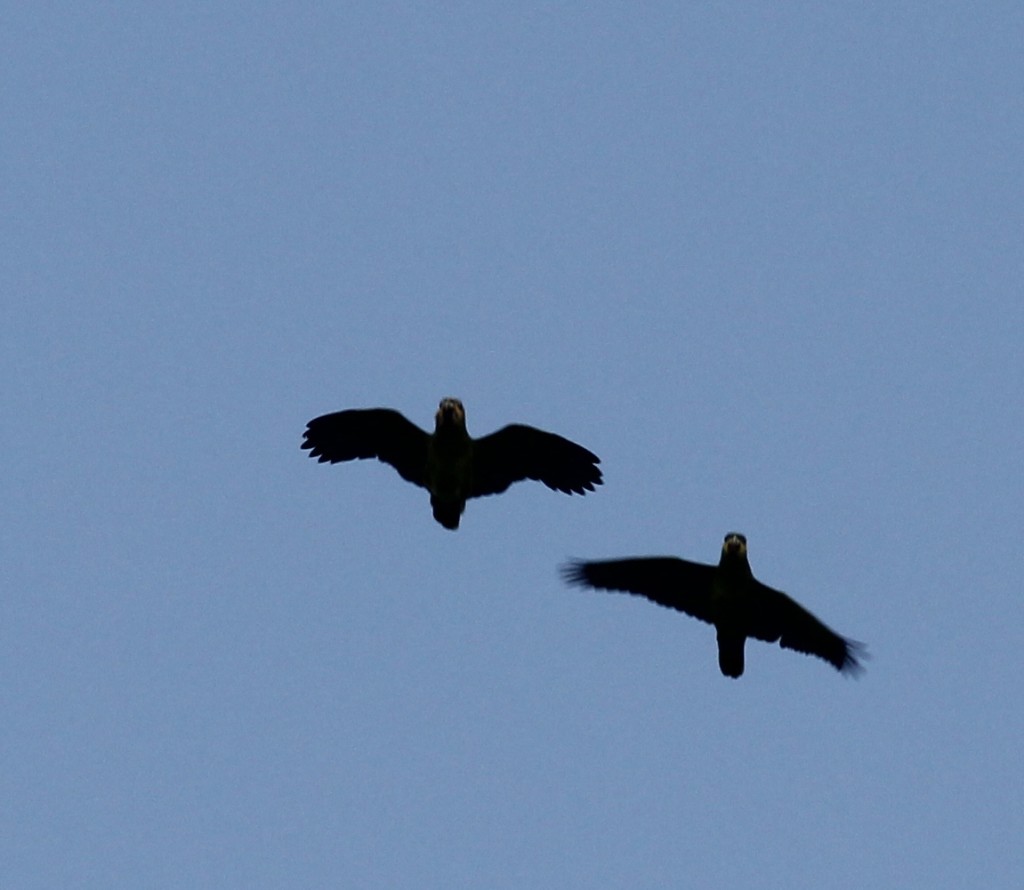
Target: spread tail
x: 448, y: 513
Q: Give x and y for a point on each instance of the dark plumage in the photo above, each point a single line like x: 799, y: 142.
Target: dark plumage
x: 450, y: 464
x: 726, y: 595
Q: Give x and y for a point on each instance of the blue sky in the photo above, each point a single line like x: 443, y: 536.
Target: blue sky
x: 766, y: 262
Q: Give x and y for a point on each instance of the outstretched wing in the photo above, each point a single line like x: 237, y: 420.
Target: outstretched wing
x: 777, y: 617
x: 519, y: 452
x: 370, y: 432
x: 666, y: 580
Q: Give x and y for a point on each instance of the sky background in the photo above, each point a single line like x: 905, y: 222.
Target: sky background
x: 765, y: 261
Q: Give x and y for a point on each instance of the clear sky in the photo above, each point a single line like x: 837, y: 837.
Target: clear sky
x: 764, y: 259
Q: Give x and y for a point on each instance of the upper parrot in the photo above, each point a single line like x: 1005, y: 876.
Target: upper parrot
x: 450, y: 464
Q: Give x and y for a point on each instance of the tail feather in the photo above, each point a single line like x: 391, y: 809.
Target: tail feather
x: 730, y: 654
x: 448, y: 513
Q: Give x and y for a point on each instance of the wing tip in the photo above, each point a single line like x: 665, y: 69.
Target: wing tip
x: 853, y: 653
x: 315, y: 450
x: 589, y: 482
x: 574, y: 572
x: 582, y: 468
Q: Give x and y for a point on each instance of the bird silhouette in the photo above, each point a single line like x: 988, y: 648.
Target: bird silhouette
x: 449, y: 463
x: 726, y: 595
